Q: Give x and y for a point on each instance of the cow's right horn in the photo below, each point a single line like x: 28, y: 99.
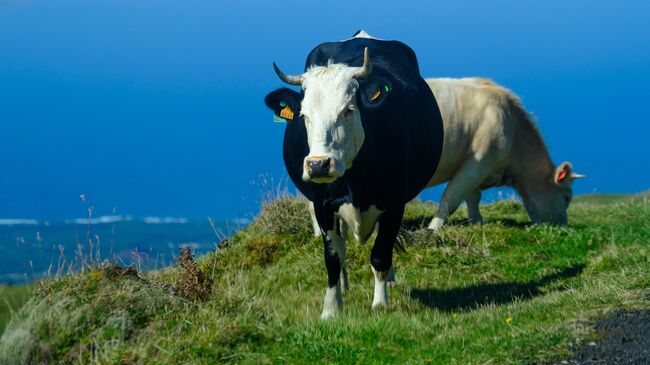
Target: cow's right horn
x: 364, y: 70
x: 289, y: 79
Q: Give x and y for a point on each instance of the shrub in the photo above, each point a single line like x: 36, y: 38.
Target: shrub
x: 283, y: 216
x: 192, y: 283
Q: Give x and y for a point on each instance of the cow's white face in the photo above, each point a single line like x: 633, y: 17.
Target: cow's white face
x: 333, y: 122
x: 332, y: 119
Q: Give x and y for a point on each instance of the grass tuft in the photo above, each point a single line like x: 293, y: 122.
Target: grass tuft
x: 285, y: 216
x: 262, y: 251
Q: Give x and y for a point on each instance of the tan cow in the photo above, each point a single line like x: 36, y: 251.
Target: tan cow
x: 490, y: 140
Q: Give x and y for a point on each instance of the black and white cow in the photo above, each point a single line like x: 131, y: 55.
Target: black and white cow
x: 363, y: 137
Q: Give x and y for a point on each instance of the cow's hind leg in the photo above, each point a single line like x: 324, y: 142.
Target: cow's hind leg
x: 381, y: 256
x: 314, y: 221
x: 473, y: 212
x: 334, y: 253
x: 468, y: 178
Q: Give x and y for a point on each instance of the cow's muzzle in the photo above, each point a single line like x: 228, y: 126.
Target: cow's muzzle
x: 318, y: 167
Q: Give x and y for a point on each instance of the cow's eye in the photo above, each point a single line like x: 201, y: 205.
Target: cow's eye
x: 348, y: 111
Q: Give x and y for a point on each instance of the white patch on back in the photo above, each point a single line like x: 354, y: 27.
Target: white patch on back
x: 361, y: 224
x: 362, y: 34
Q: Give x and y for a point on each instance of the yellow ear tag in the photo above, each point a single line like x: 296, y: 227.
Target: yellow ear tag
x: 375, y: 95
x: 287, y: 113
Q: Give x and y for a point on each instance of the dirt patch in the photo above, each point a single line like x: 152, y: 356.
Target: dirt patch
x: 114, y: 272
x: 622, y: 339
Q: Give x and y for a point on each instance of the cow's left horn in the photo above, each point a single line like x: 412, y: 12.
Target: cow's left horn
x: 289, y: 79
x: 364, y: 70
x: 577, y: 176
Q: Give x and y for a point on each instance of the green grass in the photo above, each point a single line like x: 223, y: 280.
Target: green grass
x: 502, y: 293
x: 12, y: 297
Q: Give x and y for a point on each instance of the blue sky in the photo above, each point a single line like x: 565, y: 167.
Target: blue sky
x: 155, y: 107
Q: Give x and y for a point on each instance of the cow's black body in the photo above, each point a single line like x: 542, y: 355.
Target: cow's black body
x: 402, y: 147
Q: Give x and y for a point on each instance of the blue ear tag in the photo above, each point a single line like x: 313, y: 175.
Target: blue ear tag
x: 285, y: 113
x: 279, y: 118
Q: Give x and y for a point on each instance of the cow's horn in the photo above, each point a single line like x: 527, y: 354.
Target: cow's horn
x: 364, y: 70
x: 289, y: 79
x: 577, y: 176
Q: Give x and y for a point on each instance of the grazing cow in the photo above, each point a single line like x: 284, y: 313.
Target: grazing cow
x: 490, y: 140
x: 363, y: 137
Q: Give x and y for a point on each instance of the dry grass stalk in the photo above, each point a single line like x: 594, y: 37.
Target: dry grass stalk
x: 192, y: 283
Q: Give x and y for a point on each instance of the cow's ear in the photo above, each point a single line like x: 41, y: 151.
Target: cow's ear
x: 376, y: 92
x: 563, y: 175
x: 284, y: 102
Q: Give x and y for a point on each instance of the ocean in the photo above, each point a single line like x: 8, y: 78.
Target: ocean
x: 31, y: 249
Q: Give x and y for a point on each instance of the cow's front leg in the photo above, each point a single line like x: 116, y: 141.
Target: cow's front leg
x: 381, y: 256
x: 467, y: 179
x: 333, y: 301
x: 334, y: 253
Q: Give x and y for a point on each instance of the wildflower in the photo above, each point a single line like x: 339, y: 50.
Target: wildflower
x: 509, y: 320
x: 454, y: 315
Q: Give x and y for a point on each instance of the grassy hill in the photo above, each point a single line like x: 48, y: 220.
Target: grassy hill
x: 12, y: 297
x: 503, y: 293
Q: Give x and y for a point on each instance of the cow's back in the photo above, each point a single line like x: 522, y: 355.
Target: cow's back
x: 392, y: 56
x: 478, y: 117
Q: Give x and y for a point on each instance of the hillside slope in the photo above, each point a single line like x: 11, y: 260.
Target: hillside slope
x: 503, y: 293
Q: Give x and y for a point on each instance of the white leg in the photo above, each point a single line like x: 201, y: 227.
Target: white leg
x: 314, y: 222
x: 437, y: 222
x: 333, y: 301
x: 381, y: 296
x: 473, y: 212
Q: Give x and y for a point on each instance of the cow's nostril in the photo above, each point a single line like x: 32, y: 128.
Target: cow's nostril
x: 318, y: 167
